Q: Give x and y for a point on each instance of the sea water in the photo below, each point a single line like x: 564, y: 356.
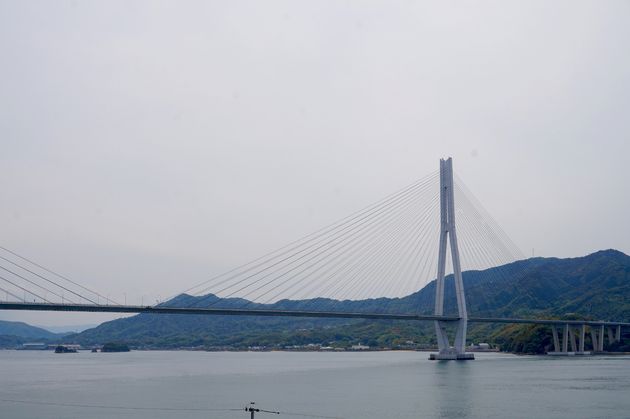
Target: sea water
x: 181, y: 384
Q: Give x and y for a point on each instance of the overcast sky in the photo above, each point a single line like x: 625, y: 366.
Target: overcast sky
x: 148, y: 145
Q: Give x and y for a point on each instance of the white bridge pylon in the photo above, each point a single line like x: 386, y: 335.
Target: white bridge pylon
x: 448, y: 234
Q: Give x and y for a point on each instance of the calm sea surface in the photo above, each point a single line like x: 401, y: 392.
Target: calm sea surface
x: 379, y: 385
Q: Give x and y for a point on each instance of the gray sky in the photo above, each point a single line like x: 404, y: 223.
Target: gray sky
x: 149, y: 145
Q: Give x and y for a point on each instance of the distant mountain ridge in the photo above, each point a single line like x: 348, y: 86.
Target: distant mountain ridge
x: 594, y: 286
x: 24, y: 330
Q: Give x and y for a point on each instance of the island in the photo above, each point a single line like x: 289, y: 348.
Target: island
x: 115, y: 347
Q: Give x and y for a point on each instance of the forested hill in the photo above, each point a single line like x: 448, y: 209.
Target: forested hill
x: 23, y: 330
x: 596, y: 286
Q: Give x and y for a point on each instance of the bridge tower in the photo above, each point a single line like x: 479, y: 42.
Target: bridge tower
x: 448, y: 234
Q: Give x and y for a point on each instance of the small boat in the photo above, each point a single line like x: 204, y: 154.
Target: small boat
x: 65, y: 349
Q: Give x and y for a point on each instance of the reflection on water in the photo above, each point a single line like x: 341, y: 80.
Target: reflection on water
x: 401, y: 385
x: 453, y: 389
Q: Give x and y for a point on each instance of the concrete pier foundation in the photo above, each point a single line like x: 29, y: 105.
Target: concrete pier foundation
x: 452, y: 357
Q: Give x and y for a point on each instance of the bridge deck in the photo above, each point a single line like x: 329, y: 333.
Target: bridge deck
x: 282, y: 313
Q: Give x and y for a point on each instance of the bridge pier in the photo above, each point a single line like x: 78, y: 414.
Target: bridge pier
x: 614, y: 335
x: 570, y: 336
x: 577, y: 337
x: 611, y: 337
x: 448, y: 352
x: 561, y: 348
x: 556, y: 341
x: 449, y: 234
x: 572, y: 339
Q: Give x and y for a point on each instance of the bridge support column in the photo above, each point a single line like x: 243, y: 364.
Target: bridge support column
x: 448, y: 234
x: 572, y: 340
x: 556, y: 341
x: 565, y: 339
x: 571, y: 336
x: 611, y: 335
x: 442, y: 335
x: 448, y: 352
x: 618, y: 333
x: 601, y: 339
x: 561, y: 348
x: 594, y: 339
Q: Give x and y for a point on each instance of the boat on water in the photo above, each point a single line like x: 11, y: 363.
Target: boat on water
x: 67, y: 349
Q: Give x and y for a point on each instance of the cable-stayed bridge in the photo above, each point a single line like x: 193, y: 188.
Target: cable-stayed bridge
x: 366, y: 265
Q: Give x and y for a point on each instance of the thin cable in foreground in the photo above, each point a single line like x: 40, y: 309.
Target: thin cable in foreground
x: 156, y: 408
x: 99, y: 406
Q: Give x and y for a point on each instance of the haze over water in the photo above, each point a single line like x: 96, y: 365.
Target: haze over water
x: 349, y: 385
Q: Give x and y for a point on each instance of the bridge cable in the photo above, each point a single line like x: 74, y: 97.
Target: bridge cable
x: 352, y: 224
x: 318, y: 232
x: 352, y: 262
x: 346, y: 245
x: 48, y: 280
x: 376, y: 241
x: 358, y: 223
x: 56, y: 274
x: 34, y: 283
x: 25, y: 290
x: 372, y: 247
x: 373, y: 272
x: 13, y: 295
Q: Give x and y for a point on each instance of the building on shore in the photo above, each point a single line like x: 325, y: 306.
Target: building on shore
x: 34, y: 346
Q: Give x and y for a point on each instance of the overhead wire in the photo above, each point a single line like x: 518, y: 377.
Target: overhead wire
x: 156, y: 408
x: 115, y: 407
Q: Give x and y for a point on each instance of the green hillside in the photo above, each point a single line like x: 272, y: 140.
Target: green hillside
x: 596, y: 286
x: 25, y: 331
